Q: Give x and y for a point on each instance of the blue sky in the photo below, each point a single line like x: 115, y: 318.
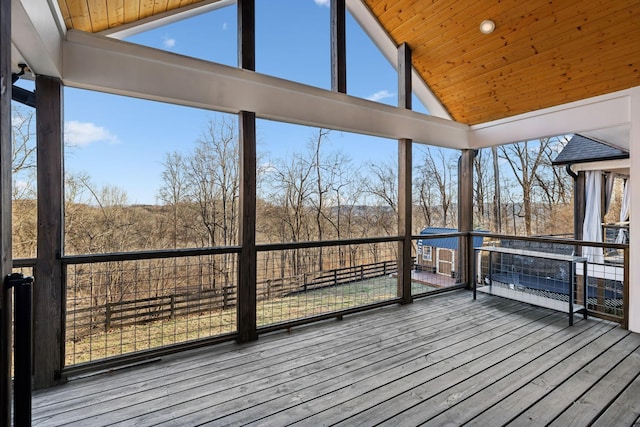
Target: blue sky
x: 122, y: 142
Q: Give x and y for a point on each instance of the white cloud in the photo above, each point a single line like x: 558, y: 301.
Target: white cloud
x: 322, y: 2
x: 380, y: 95
x: 168, y: 42
x: 79, y: 134
x: 225, y: 26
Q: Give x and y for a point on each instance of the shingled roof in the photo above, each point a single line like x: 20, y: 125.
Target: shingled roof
x: 581, y: 149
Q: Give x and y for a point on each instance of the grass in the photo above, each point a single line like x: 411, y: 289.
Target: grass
x: 128, y: 339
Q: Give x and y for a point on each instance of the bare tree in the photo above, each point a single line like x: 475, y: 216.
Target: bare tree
x: 382, y: 184
x: 481, y: 186
x: 23, y: 161
x: 174, y: 189
x: 424, y: 195
x: 554, y: 183
x: 23, y: 152
x: 497, y: 199
x: 324, y: 177
x: 525, y: 159
x: 440, y: 173
x: 214, y: 183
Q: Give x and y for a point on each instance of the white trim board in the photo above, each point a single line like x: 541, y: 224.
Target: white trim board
x: 99, y: 63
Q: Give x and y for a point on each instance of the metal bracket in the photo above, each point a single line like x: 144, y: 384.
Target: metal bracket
x: 17, y: 279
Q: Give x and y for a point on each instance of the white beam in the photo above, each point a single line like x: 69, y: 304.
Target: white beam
x: 611, y: 111
x: 36, y: 36
x: 103, y: 64
x: 389, y: 50
x: 618, y: 166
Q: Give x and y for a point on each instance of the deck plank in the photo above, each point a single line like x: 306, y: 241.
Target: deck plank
x: 519, y: 401
x: 325, y: 376
x: 587, y: 407
x: 560, y: 397
x: 625, y: 409
x: 425, y: 362
x: 399, y: 391
x: 189, y: 382
x: 443, y: 359
x: 417, y: 405
x: 450, y: 407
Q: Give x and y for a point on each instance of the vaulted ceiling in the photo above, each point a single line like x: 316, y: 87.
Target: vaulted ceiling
x: 542, y: 52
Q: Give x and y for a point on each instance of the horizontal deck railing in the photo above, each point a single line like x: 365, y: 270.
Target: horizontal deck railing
x: 130, y: 306
x: 128, y: 303
x: 326, y: 279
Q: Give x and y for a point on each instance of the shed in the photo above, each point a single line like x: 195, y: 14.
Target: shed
x: 439, y: 254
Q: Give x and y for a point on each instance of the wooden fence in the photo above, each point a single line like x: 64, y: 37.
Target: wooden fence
x: 83, y: 321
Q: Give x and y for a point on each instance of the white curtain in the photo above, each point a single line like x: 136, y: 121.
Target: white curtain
x: 592, y: 226
x: 608, y: 192
x: 624, y: 213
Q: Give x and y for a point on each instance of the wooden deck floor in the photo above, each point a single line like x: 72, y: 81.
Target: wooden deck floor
x: 445, y: 360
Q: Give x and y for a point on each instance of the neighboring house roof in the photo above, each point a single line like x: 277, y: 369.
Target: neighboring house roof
x: 444, y: 242
x: 581, y: 149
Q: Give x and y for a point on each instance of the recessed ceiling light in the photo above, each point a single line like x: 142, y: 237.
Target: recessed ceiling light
x: 487, y: 26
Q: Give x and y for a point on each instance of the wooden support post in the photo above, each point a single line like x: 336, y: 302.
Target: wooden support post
x: 246, y: 306
x: 247, y: 34
x: 465, y: 216
x: 405, y: 90
x: 338, y: 47
x: 49, y: 290
x: 247, y: 258
x: 405, y: 166
x: 5, y: 213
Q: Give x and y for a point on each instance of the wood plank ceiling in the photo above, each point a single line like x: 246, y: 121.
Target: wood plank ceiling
x: 542, y: 52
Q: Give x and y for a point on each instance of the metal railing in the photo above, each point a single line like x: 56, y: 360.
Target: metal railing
x: 132, y: 306
x: 325, y: 279
x: 607, y: 287
x: 116, y: 302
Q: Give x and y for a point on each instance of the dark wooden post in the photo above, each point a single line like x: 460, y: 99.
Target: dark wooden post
x: 405, y: 90
x: 107, y: 317
x: 465, y: 215
x: 338, y: 47
x: 405, y: 165
x: 49, y: 288
x: 247, y: 34
x: 5, y: 212
x: 247, y: 258
x: 579, y: 204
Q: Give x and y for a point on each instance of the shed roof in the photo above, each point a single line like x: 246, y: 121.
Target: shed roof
x: 444, y: 242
